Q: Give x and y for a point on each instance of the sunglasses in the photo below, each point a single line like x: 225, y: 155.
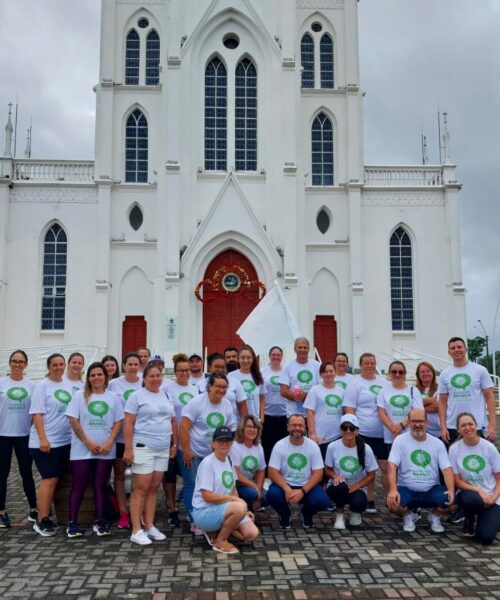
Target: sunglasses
x: 348, y: 428
x: 393, y: 372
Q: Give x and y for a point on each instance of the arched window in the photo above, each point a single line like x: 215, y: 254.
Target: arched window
x: 307, y: 60
x: 152, y: 58
x: 215, y: 116
x: 55, y: 252
x: 401, y: 281
x: 136, y: 148
x: 245, y: 125
x: 132, y: 52
x: 326, y: 61
x: 322, y: 150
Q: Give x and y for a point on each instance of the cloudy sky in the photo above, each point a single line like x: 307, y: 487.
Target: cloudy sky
x: 415, y: 56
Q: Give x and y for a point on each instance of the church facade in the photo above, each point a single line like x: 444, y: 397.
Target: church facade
x: 228, y: 155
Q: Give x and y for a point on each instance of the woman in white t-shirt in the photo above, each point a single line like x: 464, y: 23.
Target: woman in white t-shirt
x: 341, y: 364
x: 275, y: 421
x: 112, y: 367
x: 95, y: 416
x: 149, y: 428
x: 476, y: 466
x: 250, y: 377
x: 74, y: 371
x: 427, y: 386
x: 15, y: 423
x: 217, y: 508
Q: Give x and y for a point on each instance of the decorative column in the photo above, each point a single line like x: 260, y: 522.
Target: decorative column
x: 102, y: 283
x: 356, y: 268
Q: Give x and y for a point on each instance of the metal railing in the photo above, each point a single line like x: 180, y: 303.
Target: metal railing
x: 68, y: 171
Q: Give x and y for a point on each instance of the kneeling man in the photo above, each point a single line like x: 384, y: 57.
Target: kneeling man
x: 413, y: 472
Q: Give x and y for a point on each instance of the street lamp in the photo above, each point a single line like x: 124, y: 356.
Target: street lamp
x: 485, y: 337
x: 495, y: 382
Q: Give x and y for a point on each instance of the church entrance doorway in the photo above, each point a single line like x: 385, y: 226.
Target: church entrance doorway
x: 226, y: 302
x: 134, y: 334
x: 325, y: 336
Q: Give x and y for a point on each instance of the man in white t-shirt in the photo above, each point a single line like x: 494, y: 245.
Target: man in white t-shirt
x: 296, y: 470
x: 465, y: 387
x: 413, y: 470
x: 298, y: 377
x: 196, y: 375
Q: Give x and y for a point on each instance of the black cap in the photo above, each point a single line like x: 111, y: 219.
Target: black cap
x: 222, y: 433
x: 195, y: 356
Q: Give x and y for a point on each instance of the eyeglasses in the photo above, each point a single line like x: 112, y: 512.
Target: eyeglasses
x: 17, y: 362
x: 394, y: 372
x: 348, y: 428
x: 250, y: 427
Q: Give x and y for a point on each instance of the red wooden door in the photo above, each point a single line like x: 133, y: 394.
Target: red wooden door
x: 325, y: 336
x: 134, y: 334
x: 224, y: 312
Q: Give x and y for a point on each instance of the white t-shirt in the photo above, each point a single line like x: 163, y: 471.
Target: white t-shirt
x: 418, y: 462
x: 50, y: 399
x: 180, y: 396
x: 464, y: 386
x: 197, y: 380
x: 97, y: 417
x: 15, y: 399
x: 362, y: 396
x: 275, y: 403
x: 154, y: 412
x: 343, y: 380
x: 123, y: 389
x: 397, y: 404
x: 215, y: 476
x: 76, y: 385
x: 206, y: 418
x: 327, y: 406
x: 296, y: 463
x: 344, y: 461
x: 299, y: 376
x: 476, y: 464
x: 433, y: 424
x: 249, y: 460
x: 252, y: 390
x: 235, y: 394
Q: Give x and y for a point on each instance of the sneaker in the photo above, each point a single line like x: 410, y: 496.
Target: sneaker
x: 173, y: 519
x: 371, y: 508
x: 45, y: 527
x: 261, y: 509
x: 456, y: 517
x: 355, y: 520
x: 140, y: 538
x: 73, y: 530
x: 4, y: 521
x: 435, y: 522
x: 339, y: 522
x: 468, y: 527
x: 409, y: 523
x: 33, y: 516
x: 332, y: 507
x: 123, y: 521
x: 155, y: 534
x: 417, y: 514
x: 195, y: 531
x: 101, y: 527
x: 285, y: 524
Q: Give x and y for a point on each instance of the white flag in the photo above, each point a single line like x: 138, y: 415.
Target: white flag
x: 271, y: 323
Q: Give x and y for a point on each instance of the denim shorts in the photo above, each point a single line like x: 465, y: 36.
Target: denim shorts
x: 211, y: 517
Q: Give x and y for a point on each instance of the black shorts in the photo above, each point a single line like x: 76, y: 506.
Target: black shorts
x: 51, y: 464
x: 120, y: 449
x: 170, y: 475
x: 378, y: 446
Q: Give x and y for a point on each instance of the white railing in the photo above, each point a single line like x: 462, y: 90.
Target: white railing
x: 72, y: 171
x: 404, y: 176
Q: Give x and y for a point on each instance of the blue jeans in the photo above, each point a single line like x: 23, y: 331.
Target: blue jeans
x: 249, y: 495
x: 314, y: 501
x: 488, y: 519
x: 189, y: 477
x: 435, y: 496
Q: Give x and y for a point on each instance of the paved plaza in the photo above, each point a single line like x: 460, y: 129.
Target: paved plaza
x: 378, y: 560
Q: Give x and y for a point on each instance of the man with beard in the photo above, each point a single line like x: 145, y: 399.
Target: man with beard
x: 196, y: 374
x: 413, y: 474
x: 231, y: 358
x: 296, y: 470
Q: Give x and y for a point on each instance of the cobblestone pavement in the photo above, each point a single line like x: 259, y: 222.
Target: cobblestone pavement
x: 377, y: 560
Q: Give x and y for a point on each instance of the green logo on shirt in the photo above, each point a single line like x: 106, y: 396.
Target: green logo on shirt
x: 98, y: 408
x: 227, y: 480
x: 250, y: 463
x: 421, y: 458
x: 127, y: 393
x: 305, y: 376
x: 474, y: 463
x: 349, y: 464
x: 375, y: 389
x: 297, y: 461
x: 341, y: 384
x: 399, y: 401
x: 248, y: 385
x: 62, y: 396
x: 333, y: 400
x: 275, y: 379
x: 461, y: 381
x: 185, y: 397
x: 17, y: 393
x: 215, y: 419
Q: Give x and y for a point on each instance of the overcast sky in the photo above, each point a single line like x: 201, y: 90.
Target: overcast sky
x: 415, y: 56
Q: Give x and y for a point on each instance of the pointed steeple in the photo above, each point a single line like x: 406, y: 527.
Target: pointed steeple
x: 446, y: 140
x: 8, y: 134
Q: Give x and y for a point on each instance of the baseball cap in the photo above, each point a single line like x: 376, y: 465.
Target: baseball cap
x: 352, y: 419
x: 222, y: 433
x: 156, y: 358
x: 195, y: 356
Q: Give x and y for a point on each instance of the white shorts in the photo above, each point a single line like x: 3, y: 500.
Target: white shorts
x: 147, y: 460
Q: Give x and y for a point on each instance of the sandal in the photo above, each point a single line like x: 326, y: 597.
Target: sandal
x: 225, y: 548
x: 209, y: 539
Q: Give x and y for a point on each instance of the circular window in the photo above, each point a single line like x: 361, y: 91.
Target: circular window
x: 143, y: 23
x: 231, y: 41
x: 316, y: 27
x: 231, y: 282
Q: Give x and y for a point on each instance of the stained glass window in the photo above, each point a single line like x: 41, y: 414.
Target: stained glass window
x: 55, y: 253
x: 307, y: 60
x: 132, y: 52
x: 152, y: 58
x: 245, y: 126
x: 401, y: 281
x: 322, y: 150
x: 136, y: 148
x: 326, y: 61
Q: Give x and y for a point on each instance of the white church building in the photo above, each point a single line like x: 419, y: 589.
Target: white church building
x: 228, y: 155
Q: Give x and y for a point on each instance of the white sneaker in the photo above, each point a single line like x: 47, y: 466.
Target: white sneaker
x: 355, y: 519
x: 140, y: 538
x: 155, y: 534
x: 339, y: 522
x: 409, y: 523
x: 435, y: 522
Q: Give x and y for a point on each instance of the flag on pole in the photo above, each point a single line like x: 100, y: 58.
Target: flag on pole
x: 271, y: 323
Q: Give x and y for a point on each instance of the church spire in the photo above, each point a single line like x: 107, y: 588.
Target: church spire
x: 8, y: 134
x: 446, y: 140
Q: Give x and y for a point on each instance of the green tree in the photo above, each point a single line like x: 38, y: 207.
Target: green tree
x: 487, y: 362
x: 476, y: 346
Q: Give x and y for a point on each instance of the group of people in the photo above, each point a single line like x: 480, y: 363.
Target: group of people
x: 244, y: 438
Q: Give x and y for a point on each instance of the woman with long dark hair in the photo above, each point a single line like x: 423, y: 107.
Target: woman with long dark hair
x: 251, y: 379
x: 275, y: 420
x: 112, y: 367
